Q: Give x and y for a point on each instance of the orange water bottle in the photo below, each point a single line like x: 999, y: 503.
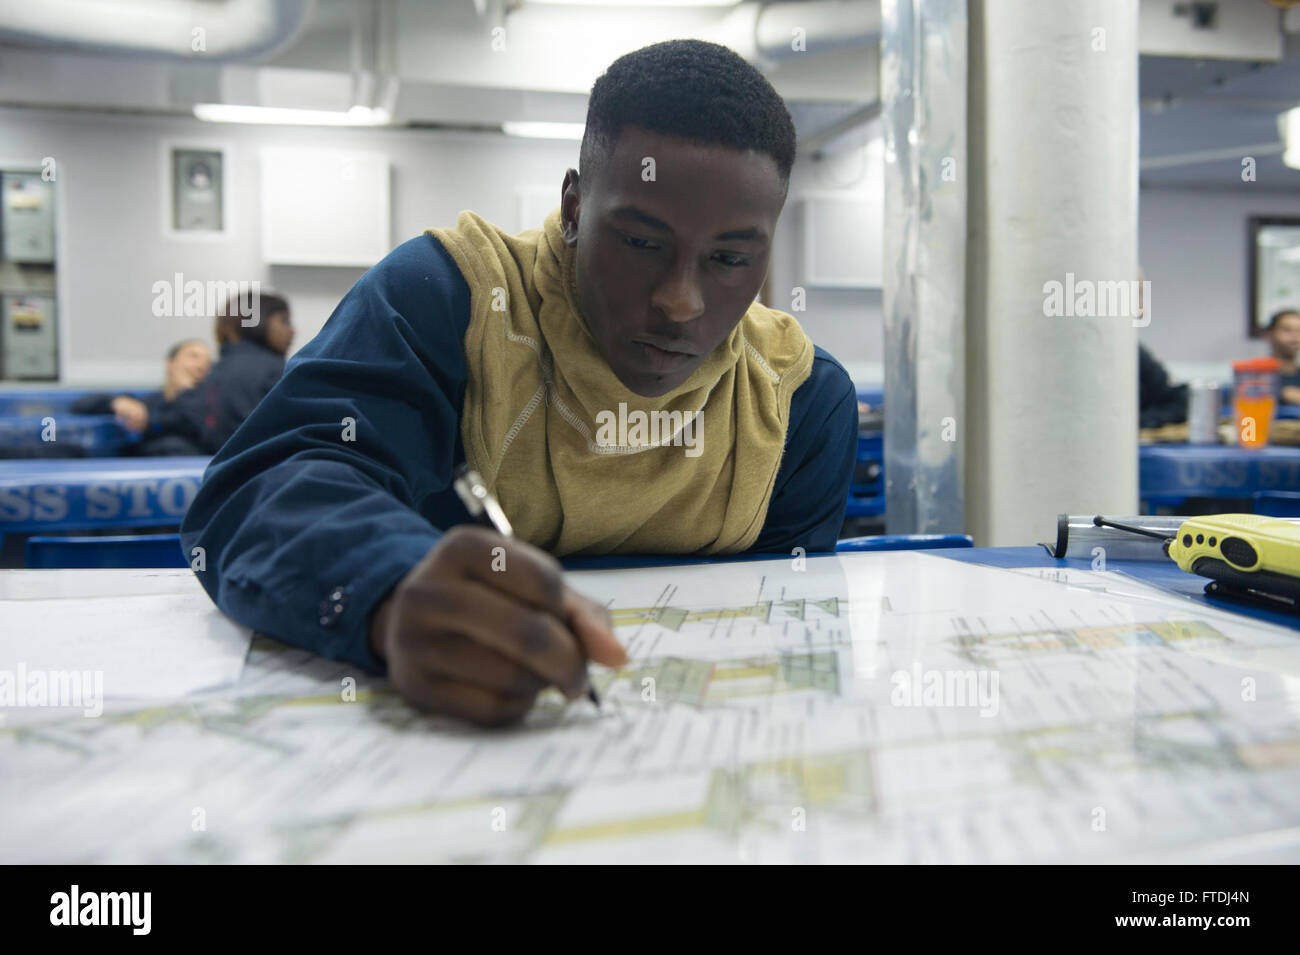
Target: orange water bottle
x: 1255, y: 399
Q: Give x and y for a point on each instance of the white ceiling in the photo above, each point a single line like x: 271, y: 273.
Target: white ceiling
x: 1192, y: 106
x: 451, y: 76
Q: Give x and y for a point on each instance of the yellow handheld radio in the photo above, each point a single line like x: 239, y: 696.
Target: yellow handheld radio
x: 1246, y: 556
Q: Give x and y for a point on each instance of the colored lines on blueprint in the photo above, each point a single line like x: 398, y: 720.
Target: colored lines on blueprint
x: 674, y: 618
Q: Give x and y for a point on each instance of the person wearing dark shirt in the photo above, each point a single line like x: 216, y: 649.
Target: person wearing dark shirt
x: 251, y: 361
x: 329, y: 519
x: 1159, y: 401
x: 1284, y: 340
x: 188, y: 363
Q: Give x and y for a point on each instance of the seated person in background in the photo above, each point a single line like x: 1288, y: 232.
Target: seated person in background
x: 250, y: 363
x: 538, y: 359
x: 188, y: 363
x: 1159, y: 402
x: 1284, y: 340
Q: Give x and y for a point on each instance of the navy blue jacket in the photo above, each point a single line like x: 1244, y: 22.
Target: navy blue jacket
x: 205, y: 416
x: 303, y: 532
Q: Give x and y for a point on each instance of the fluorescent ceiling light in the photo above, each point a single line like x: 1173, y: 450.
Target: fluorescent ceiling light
x: 231, y: 113
x: 1291, y: 136
x: 544, y: 130
x: 634, y: 3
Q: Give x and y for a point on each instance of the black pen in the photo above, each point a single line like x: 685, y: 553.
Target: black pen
x: 484, y: 509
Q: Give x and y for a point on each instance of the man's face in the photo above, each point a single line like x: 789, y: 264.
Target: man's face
x: 279, y: 332
x: 1285, y: 337
x: 191, y: 363
x: 666, y: 268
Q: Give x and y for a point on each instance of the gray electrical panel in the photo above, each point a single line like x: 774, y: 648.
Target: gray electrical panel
x: 197, y: 184
x: 27, y: 229
x: 27, y: 338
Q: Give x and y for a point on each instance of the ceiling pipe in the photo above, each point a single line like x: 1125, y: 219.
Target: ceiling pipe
x: 822, y: 25
x: 168, y: 29
x: 813, y: 143
x: 1174, y: 160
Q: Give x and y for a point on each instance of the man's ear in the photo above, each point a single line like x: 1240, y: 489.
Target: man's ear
x: 570, y: 203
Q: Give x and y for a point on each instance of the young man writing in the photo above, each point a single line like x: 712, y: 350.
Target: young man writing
x: 329, y: 519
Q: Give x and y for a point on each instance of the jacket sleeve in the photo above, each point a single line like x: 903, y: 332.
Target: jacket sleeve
x: 154, y: 404
x: 310, y: 513
x: 92, y: 404
x: 812, y: 487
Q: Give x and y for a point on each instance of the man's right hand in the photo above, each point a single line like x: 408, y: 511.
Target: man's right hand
x: 132, y: 413
x: 464, y: 639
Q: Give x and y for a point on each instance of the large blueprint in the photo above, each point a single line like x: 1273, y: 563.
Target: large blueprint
x: 866, y: 707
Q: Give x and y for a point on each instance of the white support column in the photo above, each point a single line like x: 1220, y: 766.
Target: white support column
x: 1051, y: 399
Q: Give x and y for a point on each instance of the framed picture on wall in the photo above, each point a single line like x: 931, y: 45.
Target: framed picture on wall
x: 197, y: 190
x: 1273, y: 266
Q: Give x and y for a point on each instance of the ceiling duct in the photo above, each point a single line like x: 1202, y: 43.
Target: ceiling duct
x: 211, y: 30
x: 823, y: 25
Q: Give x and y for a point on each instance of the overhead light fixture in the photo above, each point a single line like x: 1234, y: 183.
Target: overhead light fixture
x: 634, y: 3
x: 277, y: 116
x: 544, y: 130
x: 1290, y: 122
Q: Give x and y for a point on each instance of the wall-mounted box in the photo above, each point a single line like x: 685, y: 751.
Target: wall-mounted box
x: 28, y: 218
x: 28, y: 343
x: 325, y: 207
x: 198, y: 180
x: 842, y: 242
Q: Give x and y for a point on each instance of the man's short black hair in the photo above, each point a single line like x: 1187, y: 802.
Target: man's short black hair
x: 1278, y: 316
x: 701, y: 92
